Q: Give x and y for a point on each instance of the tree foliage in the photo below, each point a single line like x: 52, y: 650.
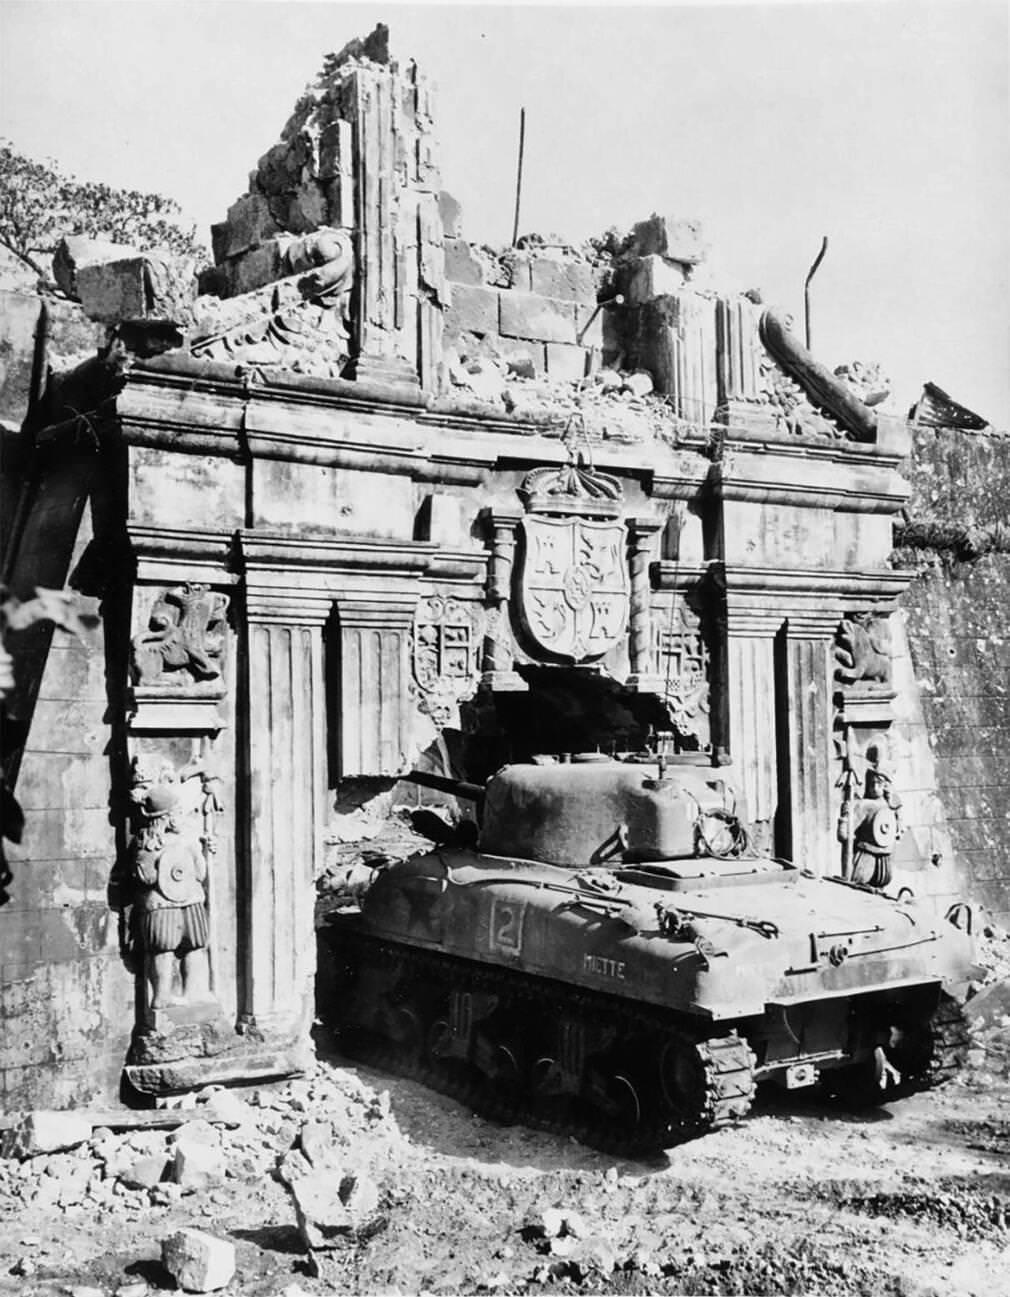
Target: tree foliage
x: 39, y: 205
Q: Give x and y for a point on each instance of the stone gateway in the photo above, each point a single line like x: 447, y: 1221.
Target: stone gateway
x: 367, y: 498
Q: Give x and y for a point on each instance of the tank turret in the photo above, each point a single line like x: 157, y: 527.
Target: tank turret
x: 611, y: 953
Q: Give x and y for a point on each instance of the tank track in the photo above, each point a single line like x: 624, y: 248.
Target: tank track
x: 717, y: 1073
x: 925, y: 1053
x: 944, y: 1048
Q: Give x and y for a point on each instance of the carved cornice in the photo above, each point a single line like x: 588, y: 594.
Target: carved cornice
x: 180, y: 404
x: 166, y: 554
x: 298, y: 580
x: 822, y: 482
x: 669, y: 574
x: 759, y: 600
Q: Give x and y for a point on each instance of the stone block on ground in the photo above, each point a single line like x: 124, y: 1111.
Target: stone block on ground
x: 333, y: 1210
x: 473, y: 309
x: 197, y: 1158
x: 195, y: 1165
x: 528, y: 315
x: 198, y: 1262
x: 318, y: 1143
x: 145, y: 1173
x: 46, y: 1131
x: 639, y: 383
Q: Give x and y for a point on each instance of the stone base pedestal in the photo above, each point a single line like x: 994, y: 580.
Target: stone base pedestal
x: 177, y: 1053
x: 390, y: 371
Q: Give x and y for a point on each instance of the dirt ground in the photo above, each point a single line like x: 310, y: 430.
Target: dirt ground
x: 800, y: 1198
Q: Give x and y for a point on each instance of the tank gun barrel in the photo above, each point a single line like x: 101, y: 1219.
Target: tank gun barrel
x: 443, y: 784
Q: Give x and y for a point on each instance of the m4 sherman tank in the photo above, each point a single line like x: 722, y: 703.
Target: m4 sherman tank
x: 611, y: 958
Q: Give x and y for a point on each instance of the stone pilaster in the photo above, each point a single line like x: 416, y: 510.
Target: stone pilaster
x: 374, y: 681
x: 641, y: 542
x: 400, y: 261
x: 286, y: 748
x: 497, y: 672
x: 751, y: 688
x: 809, y: 676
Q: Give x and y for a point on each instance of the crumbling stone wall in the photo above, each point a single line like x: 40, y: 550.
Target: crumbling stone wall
x: 66, y: 995
x: 956, y: 613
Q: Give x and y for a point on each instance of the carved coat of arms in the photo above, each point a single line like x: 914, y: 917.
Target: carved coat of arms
x: 574, y: 587
x: 444, y: 654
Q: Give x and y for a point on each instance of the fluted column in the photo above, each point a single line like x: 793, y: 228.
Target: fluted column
x: 809, y: 672
x: 751, y: 703
x: 374, y: 671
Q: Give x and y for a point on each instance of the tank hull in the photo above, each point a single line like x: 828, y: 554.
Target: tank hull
x: 647, y: 1001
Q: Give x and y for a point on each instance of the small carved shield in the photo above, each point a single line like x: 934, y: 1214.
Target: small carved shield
x: 574, y: 587
x: 443, y: 643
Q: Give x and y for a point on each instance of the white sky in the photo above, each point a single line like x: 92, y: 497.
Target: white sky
x: 884, y: 124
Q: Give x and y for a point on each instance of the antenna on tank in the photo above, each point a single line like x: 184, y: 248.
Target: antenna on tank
x: 519, y: 174
x: 806, y: 286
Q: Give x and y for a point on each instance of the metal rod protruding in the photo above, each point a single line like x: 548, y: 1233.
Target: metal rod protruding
x: 519, y: 173
x: 806, y: 286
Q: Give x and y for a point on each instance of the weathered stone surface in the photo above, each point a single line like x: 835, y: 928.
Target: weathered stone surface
x: 146, y: 1172
x: 652, y: 276
x: 249, y: 222
x: 318, y: 1144
x: 75, y: 252
x: 472, y: 310
x: 252, y: 269
x: 196, y: 1164
x: 148, y: 287
x: 198, y: 1262
x: 451, y: 212
x: 589, y: 321
x: 565, y: 362
x: 567, y: 280
x: 671, y: 237
x: 331, y: 1210
x: 47, y: 1132
x: 639, y: 383
x: 528, y: 315
x: 462, y: 265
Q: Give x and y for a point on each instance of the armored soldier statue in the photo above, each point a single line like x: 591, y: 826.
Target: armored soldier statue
x: 869, y: 828
x: 171, y: 909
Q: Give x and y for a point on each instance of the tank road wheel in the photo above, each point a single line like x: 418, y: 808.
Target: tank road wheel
x: 625, y: 1102
x: 407, y: 1033
x: 706, y: 1083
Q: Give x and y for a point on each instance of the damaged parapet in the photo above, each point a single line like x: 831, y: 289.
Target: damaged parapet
x: 342, y: 219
